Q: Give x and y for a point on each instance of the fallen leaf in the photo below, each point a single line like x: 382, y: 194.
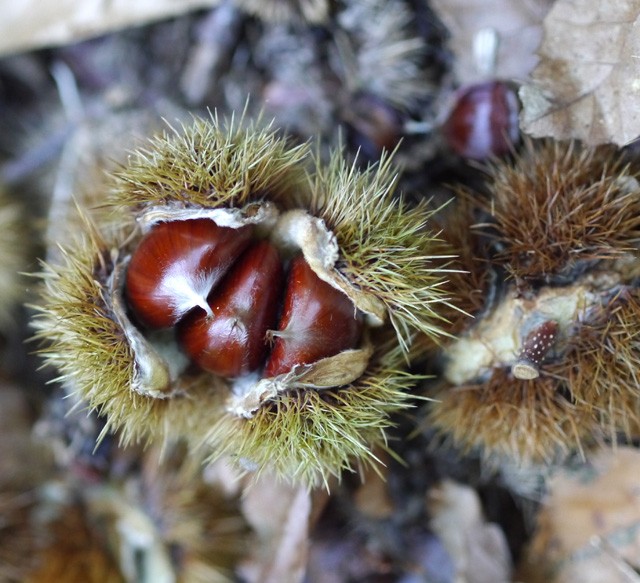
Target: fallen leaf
x: 36, y: 23
x: 478, y: 548
x: 281, y: 516
x: 372, y: 499
x: 589, y: 528
x: 587, y: 83
x: 518, y: 28
x: 17, y: 444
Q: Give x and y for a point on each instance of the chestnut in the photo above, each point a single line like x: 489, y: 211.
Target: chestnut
x: 317, y: 321
x: 176, y: 265
x: 534, y: 349
x: 484, y: 121
x: 373, y: 126
x: 349, y: 224
x: 229, y: 340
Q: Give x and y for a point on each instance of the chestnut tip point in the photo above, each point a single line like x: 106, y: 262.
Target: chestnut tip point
x: 525, y: 370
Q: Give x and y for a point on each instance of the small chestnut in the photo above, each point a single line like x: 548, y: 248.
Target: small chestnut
x: 317, y: 321
x: 373, y: 125
x: 176, y: 265
x: 230, y: 340
x: 484, y: 121
x: 534, y: 348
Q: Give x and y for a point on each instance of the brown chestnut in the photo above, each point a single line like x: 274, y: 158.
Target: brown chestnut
x: 231, y: 340
x: 534, y: 349
x: 483, y: 121
x: 176, y: 265
x: 373, y: 126
x: 317, y: 321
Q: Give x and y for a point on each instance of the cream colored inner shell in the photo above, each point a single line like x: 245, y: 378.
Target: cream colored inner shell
x: 496, y: 340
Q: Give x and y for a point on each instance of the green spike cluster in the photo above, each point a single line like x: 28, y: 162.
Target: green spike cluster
x: 387, y: 247
x: 304, y: 434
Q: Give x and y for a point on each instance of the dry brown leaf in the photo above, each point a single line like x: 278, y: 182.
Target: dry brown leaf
x: 281, y: 516
x: 24, y: 461
x: 372, y: 498
x: 518, y: 24
x: 588, y: 81
x: 589, y: 530
x: 478, y: 549
x: 35, y: 23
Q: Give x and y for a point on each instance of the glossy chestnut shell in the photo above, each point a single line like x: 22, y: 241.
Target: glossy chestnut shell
x: 176, y: 265
x: 484, y: 121
x: 230, y: 304
x: 317, y: 321
x: 231, y: 341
